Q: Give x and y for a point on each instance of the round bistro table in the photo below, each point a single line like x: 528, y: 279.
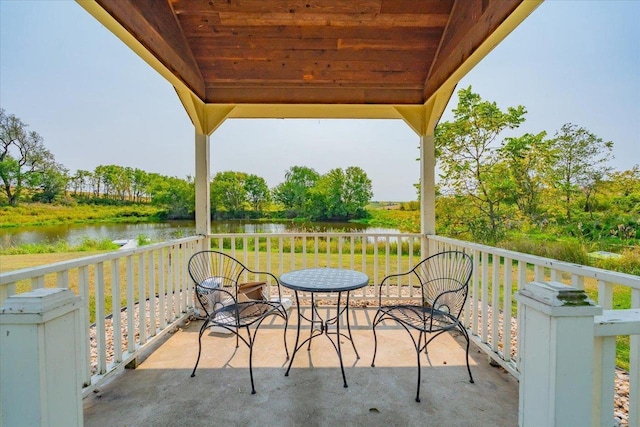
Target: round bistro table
x: 324, y: 280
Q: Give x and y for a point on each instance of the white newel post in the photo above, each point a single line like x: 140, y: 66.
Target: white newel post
x: 40, y: 383
x: 556, y: 359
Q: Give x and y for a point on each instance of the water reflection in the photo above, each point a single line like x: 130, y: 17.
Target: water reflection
x: 75, y: 233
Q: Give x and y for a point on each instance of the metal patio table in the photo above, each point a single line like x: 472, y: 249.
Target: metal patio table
x: 324, y: 280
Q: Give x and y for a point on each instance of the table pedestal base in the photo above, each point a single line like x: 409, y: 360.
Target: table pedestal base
x: 320, y: 326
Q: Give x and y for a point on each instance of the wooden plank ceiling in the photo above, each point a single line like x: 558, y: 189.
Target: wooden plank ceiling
x: 311, y: 51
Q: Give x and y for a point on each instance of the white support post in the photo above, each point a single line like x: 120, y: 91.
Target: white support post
x: 41, y: 383
x: 203, y: 203
x: 556, y: 358
x: 427, y: 190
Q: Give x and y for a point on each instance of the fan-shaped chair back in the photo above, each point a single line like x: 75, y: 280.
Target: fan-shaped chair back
x: 444, y: 278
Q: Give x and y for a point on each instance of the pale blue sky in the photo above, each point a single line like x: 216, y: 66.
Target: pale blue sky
x: 95, y: 102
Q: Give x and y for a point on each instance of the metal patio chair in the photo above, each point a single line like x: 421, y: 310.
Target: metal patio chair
x: 443, y: 282
x: 220, y: 292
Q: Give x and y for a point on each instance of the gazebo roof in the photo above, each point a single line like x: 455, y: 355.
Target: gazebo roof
x: 324, y: 56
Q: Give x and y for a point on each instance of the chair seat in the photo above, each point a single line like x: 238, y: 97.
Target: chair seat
x: 420, y: 318
x: 250, y: 312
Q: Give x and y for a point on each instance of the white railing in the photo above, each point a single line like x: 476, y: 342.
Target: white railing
x: 377, y: 255
x: 610, y: 325
x: 137, y: 293
x: 496, y: 333
x: 133, y: 275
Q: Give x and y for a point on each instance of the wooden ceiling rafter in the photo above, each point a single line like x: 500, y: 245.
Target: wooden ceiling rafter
x: 312, y: 52
x: 154, y: 25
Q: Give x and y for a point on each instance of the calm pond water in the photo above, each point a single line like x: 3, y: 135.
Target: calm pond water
x: 74, y: 233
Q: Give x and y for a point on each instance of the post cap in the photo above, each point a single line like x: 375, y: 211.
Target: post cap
x: 38, y: 301
x: 556, y: 294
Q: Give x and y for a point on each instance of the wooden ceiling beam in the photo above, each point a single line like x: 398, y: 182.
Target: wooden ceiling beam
x: 203, y: 7
x: 317, y: 94
x: 245, y: 65
x: 344, y: 20
x: 283, y: 75
x: 314, y: 111
x: 286, y: 43
x: 360, y: 7
x: 413, y: 6
x: 199, y: 27
x: 209, y: 53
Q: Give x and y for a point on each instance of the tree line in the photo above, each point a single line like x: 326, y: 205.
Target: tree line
x: 489, y: 185
x: 29, y: 172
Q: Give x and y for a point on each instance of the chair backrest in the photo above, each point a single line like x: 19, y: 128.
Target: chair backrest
x: 444, y: 278
x: 218, y: 276
x: 212, y: 267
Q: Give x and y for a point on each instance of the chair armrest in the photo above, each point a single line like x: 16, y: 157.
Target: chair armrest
x: 264, y: 282
x: 389, y: 277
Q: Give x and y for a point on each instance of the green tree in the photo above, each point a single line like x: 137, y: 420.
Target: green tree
x: 228, y: 192
x: 258, y: 193
x: 625, y: 183
x: 117, y: 181
x: 357, y: 192
x: 579, y: 163
x: 23, y: 157
x: 324, y: 199
x: 470, y: 160
x: 140, y: 184
x: 623, y: 190
x: 294, y: 191
x: 80, y: 182
x: 100, y: 181
x: 51, y: 183
x: 176, y: 195
x: 339, y: 195
x: 527, y: 158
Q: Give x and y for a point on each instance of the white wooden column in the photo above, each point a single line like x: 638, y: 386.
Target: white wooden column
x: 427, y: 192
x: 427, y: 184
x: 423, y: 121
x: 206, y: 119
x: 556, y: 360
x: 203, y: 203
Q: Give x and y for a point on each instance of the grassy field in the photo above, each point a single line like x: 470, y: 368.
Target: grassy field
x: 46, y: 214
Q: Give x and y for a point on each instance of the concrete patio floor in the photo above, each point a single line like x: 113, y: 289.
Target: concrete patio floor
x: 160, y: 391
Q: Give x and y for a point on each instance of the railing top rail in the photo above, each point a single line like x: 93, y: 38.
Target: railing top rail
x: 578, y: 269
x: 313, y: 234
x: 27, y: 273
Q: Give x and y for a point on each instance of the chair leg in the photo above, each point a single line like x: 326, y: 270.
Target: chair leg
x: 419, y: 369
x: 295, y: 346
x: 375, y: 341
x: 286, y: 325
x: 466, y: 336
x: 251, y: 341
x: 202, y: 329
